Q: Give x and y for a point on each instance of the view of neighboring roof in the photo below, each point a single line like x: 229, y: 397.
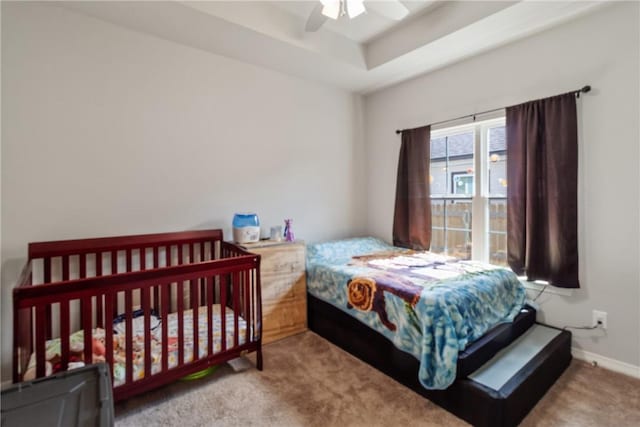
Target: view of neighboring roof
x: 462, y: 144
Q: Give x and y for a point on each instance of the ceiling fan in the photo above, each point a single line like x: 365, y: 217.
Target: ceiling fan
x: 334, y: 9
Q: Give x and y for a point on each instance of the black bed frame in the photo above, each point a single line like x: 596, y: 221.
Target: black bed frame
x: 465, y: 398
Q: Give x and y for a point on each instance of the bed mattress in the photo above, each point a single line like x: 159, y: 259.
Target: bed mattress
x: 53, y: 347
x: 427, y: 305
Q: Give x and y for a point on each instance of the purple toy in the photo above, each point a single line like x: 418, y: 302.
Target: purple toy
x: 288, y: 232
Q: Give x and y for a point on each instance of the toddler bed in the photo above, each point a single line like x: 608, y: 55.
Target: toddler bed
x: 137, y: 296
x: 431, y: 322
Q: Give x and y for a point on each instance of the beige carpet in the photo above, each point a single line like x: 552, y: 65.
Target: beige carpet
x: 309, y: 382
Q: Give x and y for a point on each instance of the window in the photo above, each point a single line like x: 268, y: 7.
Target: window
x: 468, y: 191
x: 462, y: 183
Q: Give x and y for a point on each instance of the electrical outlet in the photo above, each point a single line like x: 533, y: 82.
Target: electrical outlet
x: 600, y: 317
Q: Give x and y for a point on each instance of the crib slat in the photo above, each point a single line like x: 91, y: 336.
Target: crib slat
x: 47, y: 270
x: 254, y: 304
x: 192, y: 291
x: 180, y: 260
x: 41, y: 321
x: 257, y: 305
x: 129, y: 261
x: 83, y: 265
x: 65, y: 267
x: 180, y: 314
x: 99, y: 264
x: 201, y: 280
x: 114, y: 262
x: 156, y: 261
x: 99, y: 312
x: 223, y: 312
x: 86, y: 326
x: 165, y: 326
x: 247, y: 304
x: 200, y: 257
x: 258, y: 302
x: 167, y: 253
x: 128, y: 306
x: 143, y: 258
x: 64, y: 334
x: 252, y: 309
x: 65, y: 277
x: 156, y: 298
x: 108, y: 344
x: 236, y: 307
x: 196, y: 315
x: 99, y: 303
x: 47, y: 279
x: 147, y: 331
x: 209, y: 315
x: 48, y: 328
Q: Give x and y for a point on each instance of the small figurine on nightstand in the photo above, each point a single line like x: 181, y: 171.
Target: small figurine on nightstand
x: 288, y: 232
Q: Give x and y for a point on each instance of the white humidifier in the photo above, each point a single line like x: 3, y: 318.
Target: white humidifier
x: 246, y: 228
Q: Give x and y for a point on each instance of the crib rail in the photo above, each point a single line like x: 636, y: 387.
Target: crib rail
x: 120, y: 243
x: 112, y: 255
x: 208, y: 273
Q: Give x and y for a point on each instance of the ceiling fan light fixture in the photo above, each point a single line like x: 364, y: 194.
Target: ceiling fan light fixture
x: 334, y: 9
x: 355, y: 8
x: 331, y: 8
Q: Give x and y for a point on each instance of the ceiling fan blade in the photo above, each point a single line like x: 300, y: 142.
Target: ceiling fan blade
x: 316, y: 19
x: 391, y: 9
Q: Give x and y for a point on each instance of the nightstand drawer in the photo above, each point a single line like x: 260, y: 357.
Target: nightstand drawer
x: 282, y: 259
x: 281, y: 286
x: 283, y: 317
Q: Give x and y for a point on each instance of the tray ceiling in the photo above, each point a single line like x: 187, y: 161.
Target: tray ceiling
x: 361, y: 55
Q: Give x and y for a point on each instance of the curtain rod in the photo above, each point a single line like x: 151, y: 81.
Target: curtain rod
x: 585, y: 89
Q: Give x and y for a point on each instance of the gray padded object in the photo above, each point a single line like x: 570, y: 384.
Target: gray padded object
x: 81, y: 397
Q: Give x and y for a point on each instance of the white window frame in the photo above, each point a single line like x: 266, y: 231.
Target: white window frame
x: 480, y: 197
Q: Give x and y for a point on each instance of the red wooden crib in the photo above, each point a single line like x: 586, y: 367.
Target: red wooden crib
x: 159, y: 307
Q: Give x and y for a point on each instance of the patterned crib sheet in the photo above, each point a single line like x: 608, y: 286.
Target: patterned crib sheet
x: 76, y: 343
x: 429, y: 305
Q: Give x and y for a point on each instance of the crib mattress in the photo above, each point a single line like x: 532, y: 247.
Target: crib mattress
x: 76, y: 341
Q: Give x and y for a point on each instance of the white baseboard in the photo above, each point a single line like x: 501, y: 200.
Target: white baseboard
x: 607, y: 363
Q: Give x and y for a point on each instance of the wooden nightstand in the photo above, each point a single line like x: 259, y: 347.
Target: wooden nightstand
x: 284, y: 288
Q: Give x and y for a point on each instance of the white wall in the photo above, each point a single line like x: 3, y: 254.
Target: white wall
x: 111, y: 132
x: 601, y: 49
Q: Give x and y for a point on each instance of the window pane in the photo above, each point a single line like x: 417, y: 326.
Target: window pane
x: 498, y: 232
x: 451, y: 227
x: 437, y: 226
x: 497, y: 158
x: 458, y: 217
x: 438, y: 167
x: 451, y: 157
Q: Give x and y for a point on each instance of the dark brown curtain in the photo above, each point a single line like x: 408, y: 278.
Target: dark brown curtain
x: 542, y: 190
x: 412, y: 217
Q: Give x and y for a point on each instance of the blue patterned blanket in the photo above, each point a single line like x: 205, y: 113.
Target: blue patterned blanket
x: 428, y: 305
